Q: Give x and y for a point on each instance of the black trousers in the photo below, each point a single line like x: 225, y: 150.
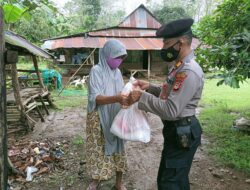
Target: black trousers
x: 176, y: 162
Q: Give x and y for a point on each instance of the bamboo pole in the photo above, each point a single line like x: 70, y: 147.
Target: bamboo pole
x: 77, y: 71
x: 3, y: 120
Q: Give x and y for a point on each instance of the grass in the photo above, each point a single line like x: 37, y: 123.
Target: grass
x: 222, y: 105
x: 78, y: 140
x: 29, y: 65
x: 70, y: 100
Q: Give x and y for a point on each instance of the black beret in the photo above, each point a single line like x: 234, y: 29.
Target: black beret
x: 175, y: 28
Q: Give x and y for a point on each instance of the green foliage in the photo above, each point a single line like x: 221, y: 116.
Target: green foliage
x: 36, y: 29
x: 167, y: 13
x: 221, y: 106
x: 13, y: 13
x: 16, y: 10
x: 84, y: 15
x: 78, y: 140
x: 226, y: 34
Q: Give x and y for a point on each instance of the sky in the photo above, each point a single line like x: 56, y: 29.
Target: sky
x: 129, y: 5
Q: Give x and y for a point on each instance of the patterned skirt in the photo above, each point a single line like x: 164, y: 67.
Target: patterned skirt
x: 100, y: 166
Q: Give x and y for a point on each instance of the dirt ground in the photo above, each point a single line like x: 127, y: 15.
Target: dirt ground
x: 143, y: 159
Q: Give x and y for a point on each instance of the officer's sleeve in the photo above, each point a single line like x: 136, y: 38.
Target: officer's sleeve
x: 154, y: 89
x: 178, y: 98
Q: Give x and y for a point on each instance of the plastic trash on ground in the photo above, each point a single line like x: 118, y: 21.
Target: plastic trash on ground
x: 131, y: 123
x: 30, y: 171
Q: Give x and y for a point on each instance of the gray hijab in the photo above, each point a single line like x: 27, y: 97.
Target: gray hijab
x: 107, y: 82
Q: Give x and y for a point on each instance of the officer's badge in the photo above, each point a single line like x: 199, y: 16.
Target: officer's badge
x: 179, y: 79
x: 169, y: 55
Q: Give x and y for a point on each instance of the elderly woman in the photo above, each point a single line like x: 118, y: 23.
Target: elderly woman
x: 105, y: 152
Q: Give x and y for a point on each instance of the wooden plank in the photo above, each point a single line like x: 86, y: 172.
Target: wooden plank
x: 22, y: 70
x: 3, y: 123
x: 44, y: 105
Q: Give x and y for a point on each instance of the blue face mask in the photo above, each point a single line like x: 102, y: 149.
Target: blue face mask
x: 170, y: 54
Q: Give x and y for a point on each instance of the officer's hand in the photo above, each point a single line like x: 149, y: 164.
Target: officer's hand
x: 144, y: 85
x: 134, y: 96
x: 123, y: 100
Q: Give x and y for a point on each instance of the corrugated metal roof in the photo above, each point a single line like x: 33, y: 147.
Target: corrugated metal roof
x: 98, y: 42
x: 140, y: 18
x: 140, y: 23
x: 16, y: 40
x: 136, y: 32
x: 123, y: 33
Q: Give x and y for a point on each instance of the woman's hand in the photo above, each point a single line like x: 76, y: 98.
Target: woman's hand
x: 144, y: 85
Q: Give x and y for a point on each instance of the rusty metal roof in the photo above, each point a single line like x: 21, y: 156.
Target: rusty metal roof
x: 123, y: 33
x: 98, y: 42
x: 136, y: 32
x: 19, y: 42
x: 140, y: 23
x: 140, y: 18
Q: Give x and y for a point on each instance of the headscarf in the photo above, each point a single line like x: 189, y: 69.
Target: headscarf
x: 107, y: 82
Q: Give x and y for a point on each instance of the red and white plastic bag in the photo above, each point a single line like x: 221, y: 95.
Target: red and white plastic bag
x: 131, y: 123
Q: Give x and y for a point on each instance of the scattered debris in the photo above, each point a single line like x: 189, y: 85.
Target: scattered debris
x: 210, y: 169
x: 217, y: 175
x: 234, y: 177
x: 37, y: 157
x: 242, y: 124
x: 30, y: 171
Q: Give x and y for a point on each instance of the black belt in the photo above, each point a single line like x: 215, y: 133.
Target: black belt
x: 181, y: 122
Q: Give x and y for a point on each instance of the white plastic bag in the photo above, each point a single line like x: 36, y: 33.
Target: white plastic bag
x: 30, y: 170
x: 131, y: 124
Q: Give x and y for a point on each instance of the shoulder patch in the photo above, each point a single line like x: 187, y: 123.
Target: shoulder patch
x: 179, y: 79
x: 181, y: 75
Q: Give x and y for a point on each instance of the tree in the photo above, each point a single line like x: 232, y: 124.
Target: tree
x: 84, y: 15
x: 167, y: 14
x: 42, y: 25
x: 15, y: 10
x: 170, y: 10
x: 226, y: 33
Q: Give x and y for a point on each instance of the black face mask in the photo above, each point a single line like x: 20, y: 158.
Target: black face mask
x: 170, y: 54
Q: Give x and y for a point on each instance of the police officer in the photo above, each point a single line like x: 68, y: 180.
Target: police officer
x: 185, y: 80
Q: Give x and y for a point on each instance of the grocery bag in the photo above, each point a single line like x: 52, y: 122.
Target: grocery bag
x: 131, y: 123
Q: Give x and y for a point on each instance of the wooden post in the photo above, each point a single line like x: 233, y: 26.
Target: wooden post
x: 38, y: 73
x: 3, y: 120
x: 149, y: 64
x: 17, y: 95
x: 16, y: 87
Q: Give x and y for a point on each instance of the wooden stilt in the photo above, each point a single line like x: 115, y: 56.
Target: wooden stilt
x: 149, y: 64
x: 16, y: 90
x: 38, y: 73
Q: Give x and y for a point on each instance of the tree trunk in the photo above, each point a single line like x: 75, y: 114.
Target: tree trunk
x: 3, y: 126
